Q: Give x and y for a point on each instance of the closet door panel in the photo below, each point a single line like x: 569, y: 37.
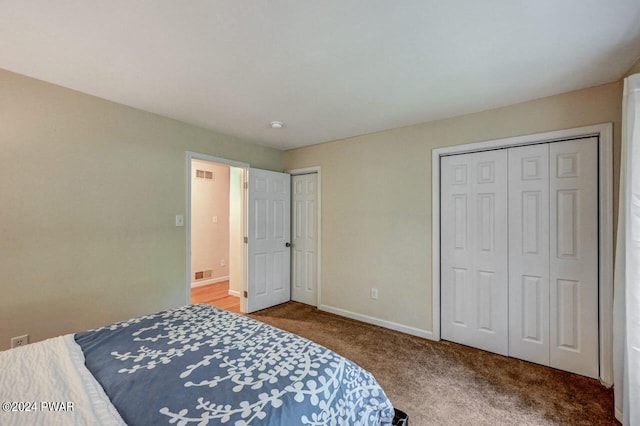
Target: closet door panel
x: 456, y: 247
x: 529, y: 253
x: 489, y: 292
x: 474, y: 250
x: 574, y: 256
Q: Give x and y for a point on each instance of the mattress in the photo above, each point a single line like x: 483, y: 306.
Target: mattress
x: 47, y: 383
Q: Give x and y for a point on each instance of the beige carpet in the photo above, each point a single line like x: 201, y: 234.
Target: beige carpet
x: 442, y: 383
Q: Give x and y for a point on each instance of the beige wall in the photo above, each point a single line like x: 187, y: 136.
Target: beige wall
x: 209, y: 236
x: 89, y: 190
x: 376, y: 198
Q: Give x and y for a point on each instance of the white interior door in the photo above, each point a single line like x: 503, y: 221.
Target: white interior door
x: 474, y: 247
x: 268, y: 279
x: 573, y: 170
x: 529, y: 253
x: 304, y: 239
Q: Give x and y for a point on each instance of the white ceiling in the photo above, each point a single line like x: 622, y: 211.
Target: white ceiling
x: 329, y: 69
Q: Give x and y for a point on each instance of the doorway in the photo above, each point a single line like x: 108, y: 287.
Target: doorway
x: 215, y: 230
x: 258, y: 212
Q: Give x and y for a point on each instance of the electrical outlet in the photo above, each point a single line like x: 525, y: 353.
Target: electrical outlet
x: 19, y: 341
x: 374, y: 293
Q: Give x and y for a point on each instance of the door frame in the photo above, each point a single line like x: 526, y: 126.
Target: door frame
x: 318, y: 171
x: 604, y: 132
x: 245, y: 167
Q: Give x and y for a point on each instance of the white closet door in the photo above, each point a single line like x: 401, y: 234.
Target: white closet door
x: 574, y: 256
x: 535, y: 296
x: 305, y: 236
x: 474, y: 244
x: 529, y: 253
x: 491, y: 278
x: 456, y: 240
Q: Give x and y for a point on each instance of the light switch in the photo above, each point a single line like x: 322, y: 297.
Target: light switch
x: 179, y: 220
x: 215, y: 219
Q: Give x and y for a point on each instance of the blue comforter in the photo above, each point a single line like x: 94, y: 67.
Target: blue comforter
x: 201, y: 365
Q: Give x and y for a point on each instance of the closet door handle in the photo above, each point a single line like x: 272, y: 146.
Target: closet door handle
x: 287, y: 244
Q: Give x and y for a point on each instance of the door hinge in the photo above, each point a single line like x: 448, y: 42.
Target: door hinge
x: 246, y: 185
x: 246, y: 294
x: 246, y: 240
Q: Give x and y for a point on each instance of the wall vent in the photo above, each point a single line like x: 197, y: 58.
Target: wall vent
x: 204, y: 174
x: 201, y: 275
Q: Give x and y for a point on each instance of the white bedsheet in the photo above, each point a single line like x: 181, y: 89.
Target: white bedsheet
x: 50, y: 379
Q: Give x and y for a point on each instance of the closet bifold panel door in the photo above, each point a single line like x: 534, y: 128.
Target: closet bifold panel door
x: 573, y: 183
x: 474, y: 248
x: 529, y: 253
x: 519, y: 252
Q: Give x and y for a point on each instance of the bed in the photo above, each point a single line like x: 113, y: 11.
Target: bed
x: 193, y: 365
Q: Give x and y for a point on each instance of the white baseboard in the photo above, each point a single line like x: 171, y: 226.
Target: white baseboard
x: 380, y: 322
x: 209, y: 281
x: 234, y: 293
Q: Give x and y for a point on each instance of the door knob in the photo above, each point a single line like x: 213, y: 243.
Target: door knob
x: 287, y: 244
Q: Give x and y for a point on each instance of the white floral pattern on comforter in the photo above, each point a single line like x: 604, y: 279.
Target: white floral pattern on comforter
x: 201, y: 365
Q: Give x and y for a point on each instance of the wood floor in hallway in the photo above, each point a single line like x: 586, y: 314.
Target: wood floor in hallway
x: 217, y: 295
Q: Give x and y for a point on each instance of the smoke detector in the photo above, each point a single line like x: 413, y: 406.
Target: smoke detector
x: 276, y: 124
